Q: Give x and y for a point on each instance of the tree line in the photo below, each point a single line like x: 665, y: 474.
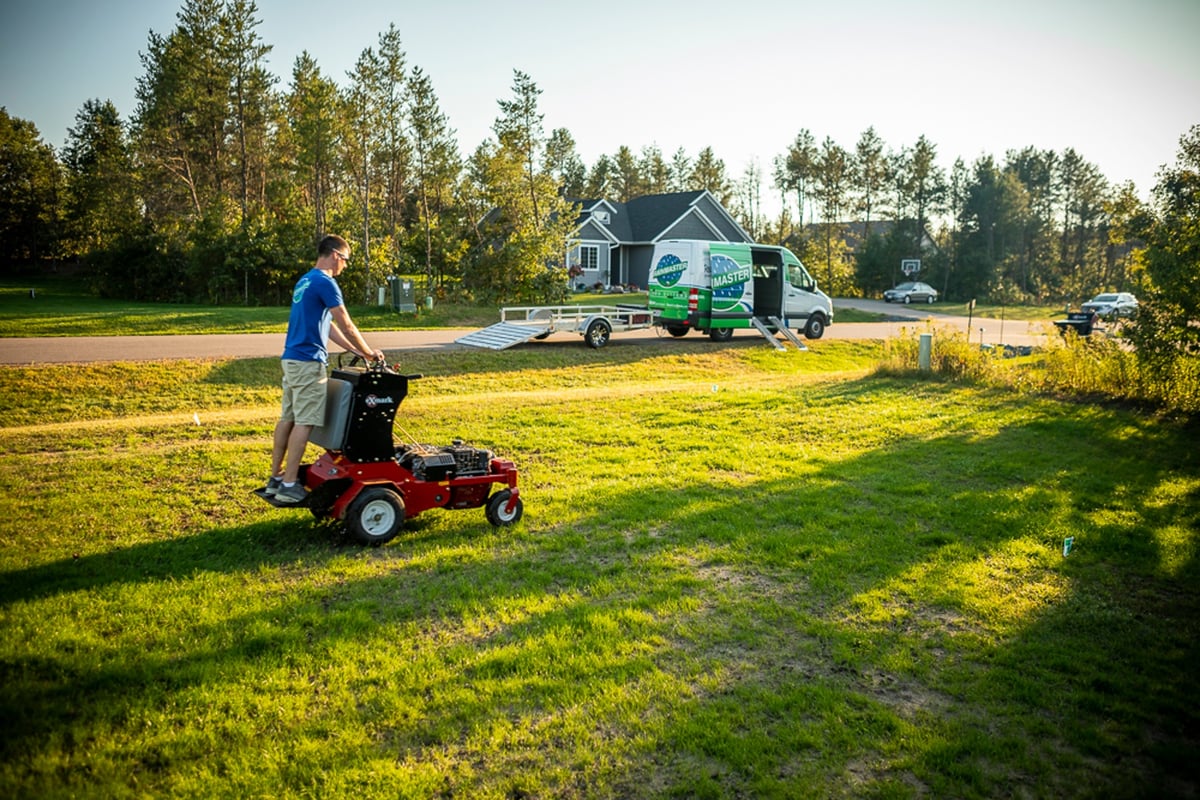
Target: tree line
x: 216, y: 187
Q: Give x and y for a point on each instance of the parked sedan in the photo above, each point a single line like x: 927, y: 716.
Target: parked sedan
x: 911, y: 292
x: 1112, y: 304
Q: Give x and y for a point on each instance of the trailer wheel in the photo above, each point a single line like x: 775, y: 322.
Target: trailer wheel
x: 720, y: 334
x: 815, y: 327
x: 495, y: 509
x: 677, y: 330
x: 375, y: 516
x: 598, y: 333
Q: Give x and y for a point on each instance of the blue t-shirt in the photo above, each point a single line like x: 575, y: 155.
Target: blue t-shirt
x: 308, y: 324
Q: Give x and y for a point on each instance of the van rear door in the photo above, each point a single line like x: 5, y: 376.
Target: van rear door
x: 676, y: 269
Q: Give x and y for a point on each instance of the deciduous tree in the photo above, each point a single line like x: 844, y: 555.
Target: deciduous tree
x: 29, y: 187
x: 1166, y: 331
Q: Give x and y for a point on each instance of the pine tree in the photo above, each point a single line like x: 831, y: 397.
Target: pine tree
x: 523, y: 243
x: 314, y: 118
x: 437, y: 168
x: 708, y: 172
x: 102, y: 204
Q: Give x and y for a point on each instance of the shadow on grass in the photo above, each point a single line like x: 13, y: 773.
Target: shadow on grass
x: 1090, y: 689
x: 743, y: 598
x: 222, y: 550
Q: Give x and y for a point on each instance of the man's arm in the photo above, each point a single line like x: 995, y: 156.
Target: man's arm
x: 346, y: 334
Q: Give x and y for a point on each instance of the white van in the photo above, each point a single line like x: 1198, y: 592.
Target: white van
x: 718, y: 287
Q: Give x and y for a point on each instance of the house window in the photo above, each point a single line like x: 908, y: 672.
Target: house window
x: 589, y: 256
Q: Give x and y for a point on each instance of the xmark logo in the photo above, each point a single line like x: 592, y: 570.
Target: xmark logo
x: 372, y: 401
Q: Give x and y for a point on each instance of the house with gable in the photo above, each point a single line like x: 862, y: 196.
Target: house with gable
x: 614, y: 242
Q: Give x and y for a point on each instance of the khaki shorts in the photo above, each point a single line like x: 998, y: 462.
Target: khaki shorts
x: 304, y: 392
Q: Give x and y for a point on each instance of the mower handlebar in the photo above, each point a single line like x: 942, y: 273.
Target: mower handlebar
x: 379, y: 366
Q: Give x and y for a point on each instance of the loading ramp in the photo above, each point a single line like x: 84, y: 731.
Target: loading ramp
x: 504, y: 335
x: 596, y: 324
x: 780, y: 327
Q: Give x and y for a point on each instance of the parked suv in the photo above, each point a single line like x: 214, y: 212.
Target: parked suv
x: 1112, y: 304
x: 911, y: 292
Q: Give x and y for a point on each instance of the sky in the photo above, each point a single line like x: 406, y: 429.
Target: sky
x: 1117, y: 81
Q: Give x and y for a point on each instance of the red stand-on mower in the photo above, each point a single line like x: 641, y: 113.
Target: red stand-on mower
x: 372, y: 484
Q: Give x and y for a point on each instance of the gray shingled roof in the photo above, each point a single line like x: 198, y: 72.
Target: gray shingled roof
x: 643, y: 218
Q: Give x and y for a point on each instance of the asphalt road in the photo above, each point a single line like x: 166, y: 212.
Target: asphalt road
x: 88, y: 349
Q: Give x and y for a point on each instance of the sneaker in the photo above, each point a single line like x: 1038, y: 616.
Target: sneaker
x: 296, y: 493
x: 273, y: 487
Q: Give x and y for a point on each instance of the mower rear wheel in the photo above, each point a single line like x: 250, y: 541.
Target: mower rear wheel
x: 496, y: 513
x: 375, y: 516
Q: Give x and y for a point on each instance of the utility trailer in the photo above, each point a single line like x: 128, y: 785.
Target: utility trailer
x: 597, y: 324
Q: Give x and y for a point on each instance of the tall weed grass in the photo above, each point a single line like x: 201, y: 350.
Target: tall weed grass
x: 1094, y: 367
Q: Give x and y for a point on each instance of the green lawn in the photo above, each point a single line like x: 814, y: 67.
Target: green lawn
x: 61, y: 308
x: 1025, y: 313
x: 739, y: 574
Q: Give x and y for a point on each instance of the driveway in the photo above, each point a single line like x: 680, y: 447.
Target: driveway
x: 85, y: 349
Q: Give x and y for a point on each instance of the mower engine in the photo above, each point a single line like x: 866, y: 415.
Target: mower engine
x: 428, y: 463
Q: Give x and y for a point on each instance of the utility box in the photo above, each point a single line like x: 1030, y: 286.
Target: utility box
x: 402, y: 294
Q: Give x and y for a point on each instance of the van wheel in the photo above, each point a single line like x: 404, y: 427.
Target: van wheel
x: 720, y: 334
x: 815, y: 327
x: 677, y: 330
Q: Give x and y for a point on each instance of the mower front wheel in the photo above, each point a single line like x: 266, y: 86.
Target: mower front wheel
x: 375, y: 516
x: 496, y: 509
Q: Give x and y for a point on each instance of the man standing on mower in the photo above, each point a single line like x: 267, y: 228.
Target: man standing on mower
x: 316, y: 302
